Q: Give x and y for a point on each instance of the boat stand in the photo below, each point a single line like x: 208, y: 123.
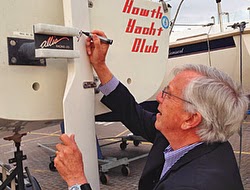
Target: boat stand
x: 18, y: 159
x: 17, y: 172
x: 105, y: 164
x: 51, y: 164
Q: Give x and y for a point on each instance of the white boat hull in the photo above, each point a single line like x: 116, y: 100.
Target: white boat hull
x: 31, y: 94
x: 222, y: 50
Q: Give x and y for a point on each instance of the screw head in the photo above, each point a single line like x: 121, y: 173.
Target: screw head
x: 12, y: 42
x: 13, y: 60
x: 42, y: 61
x: 90, y: 4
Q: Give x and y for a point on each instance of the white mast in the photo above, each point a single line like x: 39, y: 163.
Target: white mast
x: 219, y: 14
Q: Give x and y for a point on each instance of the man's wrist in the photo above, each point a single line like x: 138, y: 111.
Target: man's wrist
x: 110, y: 86
x: 85, y: 186
x: 103, y: 73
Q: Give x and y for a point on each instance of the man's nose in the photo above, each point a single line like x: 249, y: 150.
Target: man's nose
x: 159, y: 97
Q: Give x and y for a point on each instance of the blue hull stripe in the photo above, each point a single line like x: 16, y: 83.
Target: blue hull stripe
x: 202, y: 47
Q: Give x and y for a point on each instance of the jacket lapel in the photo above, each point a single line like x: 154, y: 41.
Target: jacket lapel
x: 155, y: 161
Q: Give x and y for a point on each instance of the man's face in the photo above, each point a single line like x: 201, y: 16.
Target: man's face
x: 172, y: 114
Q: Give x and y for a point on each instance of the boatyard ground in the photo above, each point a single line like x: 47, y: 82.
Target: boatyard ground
x: 39, y: 159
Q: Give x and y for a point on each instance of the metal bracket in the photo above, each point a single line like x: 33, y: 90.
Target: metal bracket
x: 89, y: 84
x: 22, y: 52
x: 164, y: 6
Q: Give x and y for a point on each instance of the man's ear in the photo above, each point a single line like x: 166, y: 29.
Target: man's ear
x: 192, y: 121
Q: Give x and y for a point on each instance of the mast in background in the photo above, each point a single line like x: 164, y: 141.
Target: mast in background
x: 220, y: 14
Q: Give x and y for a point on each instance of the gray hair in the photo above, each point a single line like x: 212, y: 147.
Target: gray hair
x: 221, y: 102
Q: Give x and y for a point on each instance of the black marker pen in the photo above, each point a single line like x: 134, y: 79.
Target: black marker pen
x: 103, y: 39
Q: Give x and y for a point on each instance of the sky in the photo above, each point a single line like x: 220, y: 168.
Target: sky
x: 201, y: 11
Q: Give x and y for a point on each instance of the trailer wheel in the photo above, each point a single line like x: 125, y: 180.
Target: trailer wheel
x: 125, y: 170
x: 52, y: 166
x: 104, y: 178
x: 123, y: 145
x: 136, y: 142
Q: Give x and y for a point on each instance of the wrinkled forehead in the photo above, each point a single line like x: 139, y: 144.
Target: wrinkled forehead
x: 182, y: 78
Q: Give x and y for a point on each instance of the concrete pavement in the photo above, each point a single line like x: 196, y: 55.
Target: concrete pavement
x: 39, y: 158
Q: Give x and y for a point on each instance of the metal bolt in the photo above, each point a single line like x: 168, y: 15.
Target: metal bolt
x: 42, y: 61
x: 13, y: 60
x: 97, y: 91
x: 90, y: 4
x: 96, y: 79
x: 12, y: 42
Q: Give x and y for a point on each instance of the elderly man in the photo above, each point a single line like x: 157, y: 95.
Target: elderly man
x: 198, y: 111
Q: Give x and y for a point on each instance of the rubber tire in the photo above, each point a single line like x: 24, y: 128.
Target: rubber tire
x: 123, y: 145
x: 52, y: 167
x: 136, y: 142
x: 104, y: 178
x: 125, y: 170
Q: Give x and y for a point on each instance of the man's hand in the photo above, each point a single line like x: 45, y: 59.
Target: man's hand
x: 68, y: 161
x: 97, y: 52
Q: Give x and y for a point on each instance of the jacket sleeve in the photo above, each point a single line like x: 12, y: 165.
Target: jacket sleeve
x: 132, y: 115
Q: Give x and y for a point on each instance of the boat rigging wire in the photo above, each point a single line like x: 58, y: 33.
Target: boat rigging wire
x: 208, y: 46
x: 241, y: 26
x: 175, y: 17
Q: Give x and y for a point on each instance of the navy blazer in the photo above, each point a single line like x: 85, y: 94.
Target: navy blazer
x: 206, y: 167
